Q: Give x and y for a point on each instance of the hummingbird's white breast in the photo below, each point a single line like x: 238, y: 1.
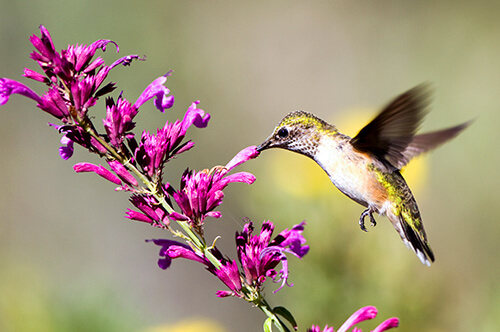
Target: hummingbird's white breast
x: 349, y: 171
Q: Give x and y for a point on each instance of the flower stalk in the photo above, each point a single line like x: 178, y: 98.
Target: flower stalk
x: 75, y: 82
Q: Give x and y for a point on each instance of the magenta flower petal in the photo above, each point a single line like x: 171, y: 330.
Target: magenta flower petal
x: 99, y: 170
x: 243, y: 156
x: 150, y: 207
x: 134, y: 215
x: 244, y: 177
x: 35, y: 76
x: 9, y: 87
x: 67, y: 149
x: 171, y: 249
x: 183, y: 251
x: 123, y: 173
x: 178, y: 217
x: 362, y: 314
x: 387, y: 324
x: 126, y: 60
x: 158, y: 90
x: 195, y: 116
x: 230, y: 276
x: 166, y: 260
x: 316, y: 328
x: 221, y: 293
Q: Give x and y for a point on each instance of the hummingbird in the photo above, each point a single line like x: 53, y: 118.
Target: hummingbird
x: 366, y: 167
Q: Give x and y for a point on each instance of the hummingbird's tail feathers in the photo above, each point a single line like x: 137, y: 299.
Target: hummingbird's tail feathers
x: 413, y: 239
x: 428, y: 141
x: 415, y: 242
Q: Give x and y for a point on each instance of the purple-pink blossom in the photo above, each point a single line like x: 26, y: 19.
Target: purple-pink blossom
x: 360, y: 315
x: 152, y: 211
x: 74, y: 77
x: 154, y: 151
x: 259, y: 256
x: 201, y: 192
x: 257, y: 263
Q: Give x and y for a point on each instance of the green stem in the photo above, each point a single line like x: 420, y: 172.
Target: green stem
x: 266, y: 308
x: 198, y: 242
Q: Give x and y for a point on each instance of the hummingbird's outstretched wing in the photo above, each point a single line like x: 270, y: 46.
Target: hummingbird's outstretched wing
x: 428, y: 141
x: 390, y: 133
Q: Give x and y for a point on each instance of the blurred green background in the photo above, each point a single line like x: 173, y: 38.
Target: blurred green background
x: 69, y: 261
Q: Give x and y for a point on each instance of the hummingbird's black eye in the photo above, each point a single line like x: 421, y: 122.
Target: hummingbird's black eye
x: 283, y: 132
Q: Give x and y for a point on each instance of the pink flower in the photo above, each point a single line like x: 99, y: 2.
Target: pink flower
x: 201, y: 192
x: 362, y: 314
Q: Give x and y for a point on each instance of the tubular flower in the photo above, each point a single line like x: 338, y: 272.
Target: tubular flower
x: 155, y: 150
x: 74, y: 77
x: 171, y: 249
x: 201, y: 192
x: 259, y: 255
x: 256, y: 260
x: 152, y: 212
x: 361, y: 315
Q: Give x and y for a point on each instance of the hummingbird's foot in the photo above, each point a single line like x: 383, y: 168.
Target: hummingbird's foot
x: 367, y: 212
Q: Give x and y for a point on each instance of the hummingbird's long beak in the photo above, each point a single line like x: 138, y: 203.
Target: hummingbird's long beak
x: 263, y: 146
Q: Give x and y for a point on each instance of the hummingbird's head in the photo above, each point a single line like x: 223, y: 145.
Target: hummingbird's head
x: 300, y: 132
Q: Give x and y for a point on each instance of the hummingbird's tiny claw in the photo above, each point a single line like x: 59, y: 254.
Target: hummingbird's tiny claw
x: 362, y: 219
x: 367, y: 212
x: 372, y: 219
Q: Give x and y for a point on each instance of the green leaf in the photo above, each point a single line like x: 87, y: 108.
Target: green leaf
x: 268, y: 325
x: 283, y: 312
